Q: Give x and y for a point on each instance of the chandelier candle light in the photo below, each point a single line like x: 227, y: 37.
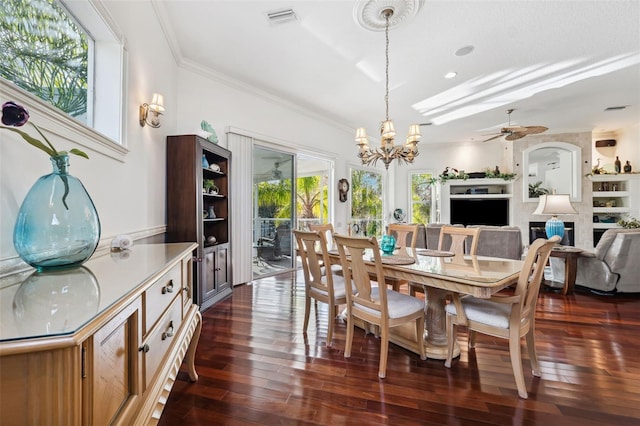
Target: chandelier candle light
x: 388, y: 151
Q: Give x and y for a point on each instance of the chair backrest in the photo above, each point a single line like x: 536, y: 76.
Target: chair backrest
x: 458, y: 235
x: 406, y: 235
x: 352, y: 257
x: 312, y: 260
x: 530, y: 277
x: 326, y: 229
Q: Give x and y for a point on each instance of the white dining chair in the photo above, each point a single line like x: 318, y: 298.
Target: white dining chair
x: 505, y: 316
x: 375, y: 305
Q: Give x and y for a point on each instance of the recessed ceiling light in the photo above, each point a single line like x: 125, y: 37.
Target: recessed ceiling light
x: 463, y: 51
x: 450, y: 74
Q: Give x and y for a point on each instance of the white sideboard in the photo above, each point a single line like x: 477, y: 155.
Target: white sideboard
x: 99, y: 344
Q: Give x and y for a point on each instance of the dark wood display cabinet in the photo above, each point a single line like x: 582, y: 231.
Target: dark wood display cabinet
x: 198, y: 209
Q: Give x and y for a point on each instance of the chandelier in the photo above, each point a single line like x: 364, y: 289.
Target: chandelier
x: 388, y: 151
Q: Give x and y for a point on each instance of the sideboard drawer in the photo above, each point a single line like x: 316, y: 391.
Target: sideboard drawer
x: 161, y: 339
x: 160, y: 295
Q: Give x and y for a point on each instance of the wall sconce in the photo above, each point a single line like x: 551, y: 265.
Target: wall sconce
x: 156, y: 107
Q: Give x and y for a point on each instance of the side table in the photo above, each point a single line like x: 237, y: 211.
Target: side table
x: 570, y: 256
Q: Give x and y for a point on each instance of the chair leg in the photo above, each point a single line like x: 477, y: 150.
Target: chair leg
x: 307, y: 310
x: 384, y: 352
x: 332, y: 316
x: 516, y: 364
x: 451, y: 338
x: 350, y: 327
x: 472, y: 339
x: 533, y: 355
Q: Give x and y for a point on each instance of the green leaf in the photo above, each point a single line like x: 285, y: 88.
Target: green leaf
x: 33, y: 141
x: 79, y: 153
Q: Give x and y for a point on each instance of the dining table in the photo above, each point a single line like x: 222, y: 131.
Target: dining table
x: 441, y: 273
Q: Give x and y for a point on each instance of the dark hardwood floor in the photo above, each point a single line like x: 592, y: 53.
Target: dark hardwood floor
x: 257, y: 367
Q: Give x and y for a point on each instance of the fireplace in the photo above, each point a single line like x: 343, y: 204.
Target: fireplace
x: 536, y: 230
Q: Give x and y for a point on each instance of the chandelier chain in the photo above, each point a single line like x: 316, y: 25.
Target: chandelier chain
x: 388, y: 150
x: 386, y: 54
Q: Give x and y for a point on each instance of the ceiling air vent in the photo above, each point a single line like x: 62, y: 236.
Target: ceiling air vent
x: 281, y: 16
x: 615, y: 108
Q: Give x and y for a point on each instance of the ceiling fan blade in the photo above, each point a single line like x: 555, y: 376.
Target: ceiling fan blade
x: 495, y: 137
x: 515, y: 136
x: 511, y: 129
x: 533, y: 130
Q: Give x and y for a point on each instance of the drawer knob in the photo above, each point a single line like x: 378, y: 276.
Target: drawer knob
x: 168, y: 288
x: 144, y: 348
x: 169, y: 332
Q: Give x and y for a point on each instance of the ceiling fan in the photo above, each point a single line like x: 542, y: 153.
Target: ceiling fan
x: 273, y: 173
x: 513, y: 133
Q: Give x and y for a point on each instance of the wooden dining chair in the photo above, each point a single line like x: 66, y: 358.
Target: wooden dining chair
x: 509, y: 317
x: 406, y: 237
x: 327, y: 230
x: 453, y: 238
x: 319, y: 286
x: 375, y: 305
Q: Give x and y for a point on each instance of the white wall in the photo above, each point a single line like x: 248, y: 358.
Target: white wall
x: 129, y: 195
x: 224, y: 104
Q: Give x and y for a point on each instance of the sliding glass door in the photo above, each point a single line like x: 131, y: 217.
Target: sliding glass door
x: 273, y: 211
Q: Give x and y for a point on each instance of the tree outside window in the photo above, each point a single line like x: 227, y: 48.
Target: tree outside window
x: 366, y: 203
x: 422, y: 187
x: 48, y: 51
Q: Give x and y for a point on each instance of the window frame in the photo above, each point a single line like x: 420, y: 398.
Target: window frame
x: 435, y: 189
x: 106, y: 134
x: 384, y: 184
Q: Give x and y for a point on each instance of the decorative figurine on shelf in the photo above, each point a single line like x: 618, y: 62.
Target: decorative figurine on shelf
x: 209, y: 130
x: 205, y: 163
x: 211, y: 239
x: 618, y: 165
x: 496, y: 171
x: 211, y: 214
x: 627, y: 167
x: 596, y: 170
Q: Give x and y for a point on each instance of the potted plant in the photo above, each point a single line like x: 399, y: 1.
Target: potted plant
x: 629, y: 223
x: 208, y: 185
x: 535, y: 190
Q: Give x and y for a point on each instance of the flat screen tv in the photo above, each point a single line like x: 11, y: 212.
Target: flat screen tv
x: 477, y: 211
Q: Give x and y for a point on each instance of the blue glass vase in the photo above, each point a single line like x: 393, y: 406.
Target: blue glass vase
x: 388, y: 244
x: 57, y: 225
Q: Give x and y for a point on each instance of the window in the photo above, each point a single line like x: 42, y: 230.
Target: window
x: 50, y: 54
x: 421, y: 196
x: 60, y: 72
x: 366, y: 203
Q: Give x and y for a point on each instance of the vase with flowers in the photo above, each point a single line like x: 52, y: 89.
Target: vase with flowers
x: 57, y: 224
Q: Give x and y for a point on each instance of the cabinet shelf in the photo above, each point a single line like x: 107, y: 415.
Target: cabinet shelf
x: 611, y: 210
x: 610, y: 194
x: 484, y: 196
x: 601, y: 225
x: 187, y: 214
x: 214, y: 172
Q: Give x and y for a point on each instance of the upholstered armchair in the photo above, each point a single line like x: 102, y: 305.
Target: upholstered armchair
x: 614, y: 266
